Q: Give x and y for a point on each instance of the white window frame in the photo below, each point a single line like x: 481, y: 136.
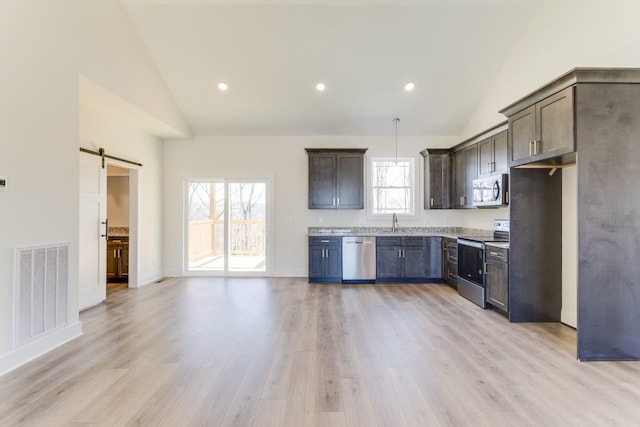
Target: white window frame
x: 416, y: 193
x: 222, y: 177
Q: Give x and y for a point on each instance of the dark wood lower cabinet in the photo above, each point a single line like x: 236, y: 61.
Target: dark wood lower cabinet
x: 497, y: 277
x: 325, y: 259
x: 408, y: 258
x: 450, y: 261
x: 118, y: 259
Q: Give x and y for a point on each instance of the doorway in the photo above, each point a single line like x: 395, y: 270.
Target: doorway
x: 118, y: 207
x: 227, y: 227
x: 93, y: 227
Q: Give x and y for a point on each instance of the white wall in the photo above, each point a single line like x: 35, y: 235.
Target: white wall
x: 563, y: 34
x: 46, y: 46
x: 100, y: 129
x: 118, y: 201
x: 285, y: 158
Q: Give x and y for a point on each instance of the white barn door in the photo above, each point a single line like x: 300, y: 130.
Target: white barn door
x: 93, y: 224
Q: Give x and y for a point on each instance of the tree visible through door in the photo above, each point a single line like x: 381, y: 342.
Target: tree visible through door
x: 227, y: 226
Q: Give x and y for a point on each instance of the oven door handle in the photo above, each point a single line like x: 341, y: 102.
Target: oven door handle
x: 464, y: 242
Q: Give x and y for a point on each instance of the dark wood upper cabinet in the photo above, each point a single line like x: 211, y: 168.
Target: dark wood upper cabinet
x: 493, y: 155
x: 437, y: 177
x: 336, y: 178
x: 544, y: 130
x: 470, y: 173
x: 458, y: 190
x: 465, y: 170
x: 349, y: 181
x: 322, y: 180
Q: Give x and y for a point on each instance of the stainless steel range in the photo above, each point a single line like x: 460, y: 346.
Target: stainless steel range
x: 471, y: 261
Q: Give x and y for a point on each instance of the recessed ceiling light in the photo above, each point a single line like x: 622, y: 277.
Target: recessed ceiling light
x: 409, y: 86
x: 223, y: 86
x: 321, y: 87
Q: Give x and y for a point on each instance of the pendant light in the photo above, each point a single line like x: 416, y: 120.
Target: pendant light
x: 395, y: 122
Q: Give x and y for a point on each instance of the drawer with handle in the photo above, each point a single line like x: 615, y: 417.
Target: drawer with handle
x: 497, y: 254
x: 325, y: 240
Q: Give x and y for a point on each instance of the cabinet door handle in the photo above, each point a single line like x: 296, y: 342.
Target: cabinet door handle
x: 432, y: 201
x: 404, y: 253
x: 486, y: 268
x: 338, y: 204
x: 399, y: 253
x: 334, y: 202
x: 536, y: 146
x: 324, y: 241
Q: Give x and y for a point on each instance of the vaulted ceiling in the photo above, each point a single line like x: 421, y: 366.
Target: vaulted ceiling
x: 271, y: 54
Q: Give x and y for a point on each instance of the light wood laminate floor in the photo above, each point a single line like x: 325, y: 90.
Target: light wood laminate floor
x: 281, y: 352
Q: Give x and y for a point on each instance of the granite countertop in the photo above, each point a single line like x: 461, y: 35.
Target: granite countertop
x: 118, y: 231
x: 450, y: 232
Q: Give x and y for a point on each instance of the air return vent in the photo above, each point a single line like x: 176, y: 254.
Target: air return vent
x: 40, y: 290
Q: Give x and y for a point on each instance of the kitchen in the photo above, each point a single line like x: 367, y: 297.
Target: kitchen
x: 51, y: 114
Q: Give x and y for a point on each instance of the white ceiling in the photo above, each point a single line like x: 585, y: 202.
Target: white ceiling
x: 271, y: 54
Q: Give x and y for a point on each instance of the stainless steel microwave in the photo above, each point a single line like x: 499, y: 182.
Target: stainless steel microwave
x: 491, y: 191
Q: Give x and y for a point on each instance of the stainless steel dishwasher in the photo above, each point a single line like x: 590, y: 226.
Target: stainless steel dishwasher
x: 359, y: 259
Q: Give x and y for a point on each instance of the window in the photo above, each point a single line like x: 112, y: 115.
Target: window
x: 392, y: 186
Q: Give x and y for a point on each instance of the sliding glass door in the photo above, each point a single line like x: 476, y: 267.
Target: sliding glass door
x: 227, y: 226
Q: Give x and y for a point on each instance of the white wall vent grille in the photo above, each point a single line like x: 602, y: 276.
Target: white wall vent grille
x: 41, y: 290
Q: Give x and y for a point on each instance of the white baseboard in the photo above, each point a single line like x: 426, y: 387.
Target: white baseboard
x: 569, y: 318
x: 150, y: 278
x: 39, y: 346
x: 289, y: 273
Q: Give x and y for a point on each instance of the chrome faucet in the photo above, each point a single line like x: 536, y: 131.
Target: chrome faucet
x: 394, y: 223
